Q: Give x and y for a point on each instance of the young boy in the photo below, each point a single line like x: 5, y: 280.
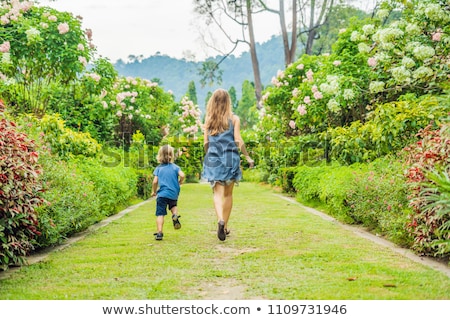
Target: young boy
x: 166, y: 183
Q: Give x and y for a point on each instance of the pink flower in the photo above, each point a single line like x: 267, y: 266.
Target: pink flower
x: 5, y: 46
x: 309, y: 75
x: 307, y: 100
x: 4, y: 20
x: 292, y: 124
x: 83, y: 60
x: 301, y: 109
x: 95, y: 76
x: 318, y: 95
x: 89, y: 34
x: 300, y: 66
x: 436, y: 36
x: 314, y: 89
x: 337, y: 62
x: 63, y: 28
x: 372, y: 61
x: 52, y: 18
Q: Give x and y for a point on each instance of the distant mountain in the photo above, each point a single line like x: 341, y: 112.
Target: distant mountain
x: 175, y: 74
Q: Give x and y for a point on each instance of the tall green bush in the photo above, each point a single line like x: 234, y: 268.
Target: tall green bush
x: 374, y: 195
x: 80, y: 192
x: 386, y: 130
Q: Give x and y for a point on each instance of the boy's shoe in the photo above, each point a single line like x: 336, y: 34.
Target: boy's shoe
x: 221, y: 234
x: 176, y: 222
x: 158, y: 235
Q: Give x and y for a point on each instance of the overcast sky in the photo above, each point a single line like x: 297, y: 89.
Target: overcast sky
x: 145, y: 27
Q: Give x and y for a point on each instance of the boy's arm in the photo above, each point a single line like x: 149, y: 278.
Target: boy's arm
x: 181, y: 176
x: 154, y: 186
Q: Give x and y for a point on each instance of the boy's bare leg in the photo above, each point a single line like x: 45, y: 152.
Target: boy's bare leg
x: 159, y: 223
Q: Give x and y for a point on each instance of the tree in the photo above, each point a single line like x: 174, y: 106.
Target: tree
x: 233, y: 97
x: 209, y: 73
x: 246, y: 107
x: 337, y: 22
x: 239, y: 12
x: 289, y: 49
x: 192, y: 92
x: 313, y: 14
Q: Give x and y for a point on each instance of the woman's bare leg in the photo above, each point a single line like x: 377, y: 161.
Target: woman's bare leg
x: 223, y: 202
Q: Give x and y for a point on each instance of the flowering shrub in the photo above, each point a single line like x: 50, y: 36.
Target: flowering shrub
x: 429, y: 161
x: 348, y: 100
x: 137, y: 104
x: 408, y: 55
x: 41, y: 47
x: 189, y: 118
x: 19, y: 193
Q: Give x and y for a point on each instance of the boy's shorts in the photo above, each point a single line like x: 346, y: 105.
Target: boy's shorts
x: 162, y: 204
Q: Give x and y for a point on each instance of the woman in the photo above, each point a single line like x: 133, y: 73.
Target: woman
x: 221, y: 166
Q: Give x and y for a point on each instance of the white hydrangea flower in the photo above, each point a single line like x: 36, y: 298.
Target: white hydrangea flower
x: 434, y: 12
x: 408, y: 62
x: 387, y: 45
x: 331, y: 86
x: 355, y: 36
x: 333, y: 105
x: 401, y: 75
x: 348, y: 94
x: 423, y: 52
x: 6, y: 58
x: 382, y: 13
x: 368, y: 29
x: 33, y: 34
x: 376, y: 86
x: 363, y: 48
x: 423, y: 73
x: 387, y: 35
x: 413, y: 29
x: 382, y: 57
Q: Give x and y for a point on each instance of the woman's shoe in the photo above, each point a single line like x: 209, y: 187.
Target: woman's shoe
x: 221, y: 231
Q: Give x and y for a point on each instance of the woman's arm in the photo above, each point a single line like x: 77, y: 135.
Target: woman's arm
x: 205, y: 141
x: 239, y: 141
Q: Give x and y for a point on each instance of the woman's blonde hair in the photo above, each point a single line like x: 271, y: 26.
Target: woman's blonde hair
x: 165, y: 154
x: 218, y: 112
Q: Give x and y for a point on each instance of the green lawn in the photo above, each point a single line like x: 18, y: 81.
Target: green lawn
x: 276, y: 250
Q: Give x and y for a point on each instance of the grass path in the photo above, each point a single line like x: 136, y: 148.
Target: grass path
x: 276, y: 250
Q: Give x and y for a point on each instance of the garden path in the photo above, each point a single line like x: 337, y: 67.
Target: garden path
x: 196, y: 197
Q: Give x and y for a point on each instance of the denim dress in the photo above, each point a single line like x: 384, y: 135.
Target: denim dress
x: 222, y: 160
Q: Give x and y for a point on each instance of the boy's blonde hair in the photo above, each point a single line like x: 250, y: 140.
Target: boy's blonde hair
x: 218, y: 112
x: 166, y: 154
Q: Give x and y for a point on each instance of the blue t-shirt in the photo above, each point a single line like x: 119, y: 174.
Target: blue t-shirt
x: 167, y: 174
